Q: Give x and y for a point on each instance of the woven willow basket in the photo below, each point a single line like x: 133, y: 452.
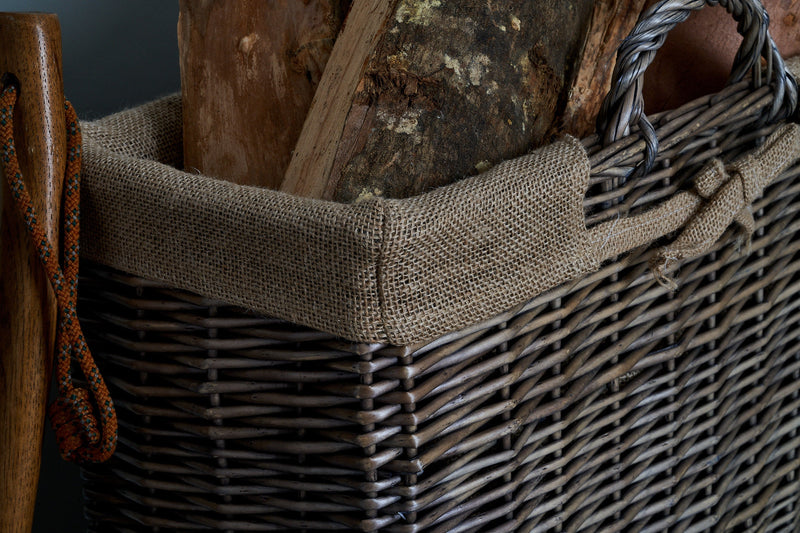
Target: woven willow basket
x: 606, y: 402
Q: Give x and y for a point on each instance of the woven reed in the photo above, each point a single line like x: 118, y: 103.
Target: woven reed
x: 606, y: 404
x: 624, y: 107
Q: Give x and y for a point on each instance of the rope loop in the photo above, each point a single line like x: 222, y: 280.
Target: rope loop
x: 84, y: 419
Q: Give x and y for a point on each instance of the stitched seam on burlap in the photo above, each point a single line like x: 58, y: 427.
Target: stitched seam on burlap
x: 380, y: 266
x: 588, y: 258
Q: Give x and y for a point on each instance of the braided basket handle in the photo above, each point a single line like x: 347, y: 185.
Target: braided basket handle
x: 624, y: 107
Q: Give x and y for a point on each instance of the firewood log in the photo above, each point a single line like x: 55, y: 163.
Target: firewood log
x: 249, y: 70
x: 611, y: 22
x: 423, y: 92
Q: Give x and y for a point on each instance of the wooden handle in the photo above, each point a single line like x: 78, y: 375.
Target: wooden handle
x: 30, y: 48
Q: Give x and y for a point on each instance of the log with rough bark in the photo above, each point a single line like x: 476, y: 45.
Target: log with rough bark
x: 249, y: 70
x: 423, y: 92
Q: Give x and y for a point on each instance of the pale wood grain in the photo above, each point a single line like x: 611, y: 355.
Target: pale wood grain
x: 314, y: 155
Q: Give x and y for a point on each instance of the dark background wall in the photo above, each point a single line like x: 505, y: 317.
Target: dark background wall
x: 116, y: 54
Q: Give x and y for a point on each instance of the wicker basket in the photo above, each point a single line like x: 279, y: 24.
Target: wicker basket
x: 607, y: 403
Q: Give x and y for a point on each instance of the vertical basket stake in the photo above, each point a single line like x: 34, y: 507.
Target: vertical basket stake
x: 30, y: 49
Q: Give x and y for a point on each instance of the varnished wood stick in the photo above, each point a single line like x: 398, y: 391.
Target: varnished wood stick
x: 30, y: 48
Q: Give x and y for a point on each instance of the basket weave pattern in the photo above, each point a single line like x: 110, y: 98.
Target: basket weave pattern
x: 606, y: 404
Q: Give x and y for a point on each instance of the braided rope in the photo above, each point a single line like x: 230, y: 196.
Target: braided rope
x: 623, y: 107
x: 71, y: 414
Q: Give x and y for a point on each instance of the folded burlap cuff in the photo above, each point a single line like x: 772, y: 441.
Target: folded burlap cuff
x: 722, y: 194
x: 728, y: 192
x: 396, y: 271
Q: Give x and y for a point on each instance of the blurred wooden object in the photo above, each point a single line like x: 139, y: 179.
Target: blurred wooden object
x: 697, y: 56
x: 30, y: 48
x: 611, y: 22
x: 249, y: 70
x: 441, y: 91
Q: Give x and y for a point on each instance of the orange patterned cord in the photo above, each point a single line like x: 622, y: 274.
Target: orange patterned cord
x: 79, y: 435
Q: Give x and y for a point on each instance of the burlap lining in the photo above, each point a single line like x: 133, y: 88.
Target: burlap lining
x: 396, y: 271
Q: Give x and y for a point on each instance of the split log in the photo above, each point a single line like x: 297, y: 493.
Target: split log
x: 313, y: 157
x: 425, y: 92
x: 249, y: 70
x: 611, y: 22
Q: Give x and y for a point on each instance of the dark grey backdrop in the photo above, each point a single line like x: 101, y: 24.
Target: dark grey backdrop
x: 115, y: 55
